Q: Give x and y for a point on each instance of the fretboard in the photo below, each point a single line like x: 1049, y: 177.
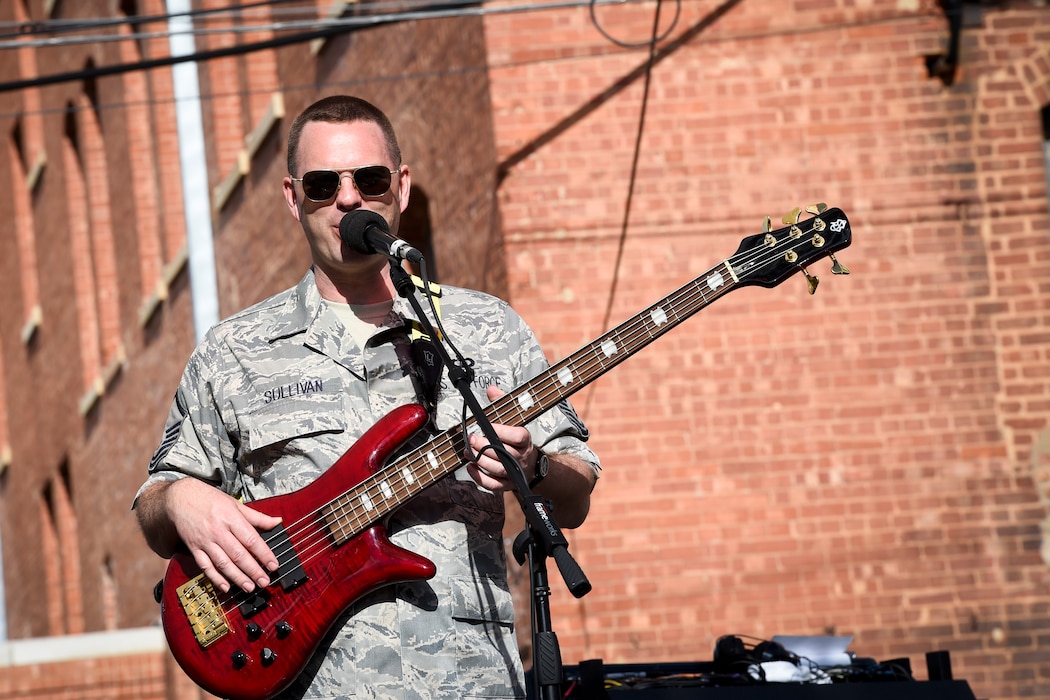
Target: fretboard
x: 377, y: 496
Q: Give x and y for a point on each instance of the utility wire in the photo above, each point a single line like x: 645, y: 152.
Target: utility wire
x: 241, y: 49
x: 632, y: 179
x: 58, y: 26
x: 417, y: 9
x: 100, y: 71
x: 329, y: 28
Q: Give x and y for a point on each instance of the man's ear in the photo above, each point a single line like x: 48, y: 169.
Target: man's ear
x: 405, y: 185
x: 291, y: 198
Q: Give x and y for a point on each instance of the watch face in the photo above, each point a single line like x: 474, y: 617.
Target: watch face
x: 542, y: 467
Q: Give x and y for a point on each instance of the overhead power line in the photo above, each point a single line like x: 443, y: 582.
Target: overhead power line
x: 329, y: 28
x: 57, y: 35
x: 99, y: 71
x: 61, y: 26
x: 402, y: 9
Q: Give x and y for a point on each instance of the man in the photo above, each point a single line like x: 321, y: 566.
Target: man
x: 275, y: 394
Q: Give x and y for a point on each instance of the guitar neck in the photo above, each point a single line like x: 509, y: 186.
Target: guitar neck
x: 614, y: 347
x: 379, y: 495
x: 764, y: 259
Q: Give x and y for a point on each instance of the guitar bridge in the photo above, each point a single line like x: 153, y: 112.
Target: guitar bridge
x: 201, y: 604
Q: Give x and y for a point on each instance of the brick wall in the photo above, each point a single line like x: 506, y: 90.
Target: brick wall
x: 100, y: 447
x: 859, y: 461
x: 870, y: 460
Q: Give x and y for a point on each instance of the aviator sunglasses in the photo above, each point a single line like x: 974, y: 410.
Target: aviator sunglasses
x: 370, y: 181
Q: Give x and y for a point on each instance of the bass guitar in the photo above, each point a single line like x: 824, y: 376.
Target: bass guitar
x: 332, y: 545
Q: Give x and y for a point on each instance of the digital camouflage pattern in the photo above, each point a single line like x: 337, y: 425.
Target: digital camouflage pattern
x: 278, y: 392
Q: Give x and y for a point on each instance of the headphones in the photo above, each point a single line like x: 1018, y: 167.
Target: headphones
x: 732, y: 653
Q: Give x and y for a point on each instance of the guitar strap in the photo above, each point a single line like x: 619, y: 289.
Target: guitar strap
x: 426, y: 363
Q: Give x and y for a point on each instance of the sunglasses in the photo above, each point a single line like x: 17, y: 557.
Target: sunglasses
x: 370, y: 181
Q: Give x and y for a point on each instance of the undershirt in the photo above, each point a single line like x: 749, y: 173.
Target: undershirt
x: 362, y: 320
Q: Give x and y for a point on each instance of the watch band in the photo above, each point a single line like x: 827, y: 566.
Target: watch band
x: 542, y: 469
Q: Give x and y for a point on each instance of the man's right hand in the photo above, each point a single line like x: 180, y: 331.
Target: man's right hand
x: 220, y: 532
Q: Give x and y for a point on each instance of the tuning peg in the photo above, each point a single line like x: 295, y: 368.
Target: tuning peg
x: 817, y: 209
x: 792, y: 216
x: 838, y: 268
x: 767, y: 225
x: 811, y: 281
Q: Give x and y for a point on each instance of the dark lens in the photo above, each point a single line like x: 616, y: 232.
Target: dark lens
x: 373, y: 181
x: 320, y: 185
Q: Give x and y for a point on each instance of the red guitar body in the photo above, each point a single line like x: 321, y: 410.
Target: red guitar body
x: 251, y: 646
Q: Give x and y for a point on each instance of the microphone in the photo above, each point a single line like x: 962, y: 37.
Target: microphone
x: 368, y: 233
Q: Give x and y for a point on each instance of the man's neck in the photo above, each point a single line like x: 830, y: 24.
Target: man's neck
x: 362, y: 286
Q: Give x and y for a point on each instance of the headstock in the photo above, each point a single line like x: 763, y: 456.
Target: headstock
x: 767, y: 259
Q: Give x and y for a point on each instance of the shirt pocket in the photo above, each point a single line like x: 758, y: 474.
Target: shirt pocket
x: 281, y: 422
x: 290, y: 443
x: 484, y: 599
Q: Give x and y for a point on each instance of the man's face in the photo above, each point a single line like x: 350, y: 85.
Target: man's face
x: 343, y: 148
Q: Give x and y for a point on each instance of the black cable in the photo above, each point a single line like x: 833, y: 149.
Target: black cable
x: 89, y: 73
x: 630, y: 45
x: 506, y: 164
x: 61, y: 26
x: 631, y: 180
x: 434, y: 10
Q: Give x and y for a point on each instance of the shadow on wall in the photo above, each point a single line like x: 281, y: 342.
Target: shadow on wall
x: 415, y: 228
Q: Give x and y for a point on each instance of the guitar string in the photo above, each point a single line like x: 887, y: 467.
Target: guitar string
x: 356, y: 506
x: 628, y: 334
x: 363, y: 506
x: 625, y: 332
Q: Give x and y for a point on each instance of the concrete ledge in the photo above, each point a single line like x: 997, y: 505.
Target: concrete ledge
x: 46, y: 650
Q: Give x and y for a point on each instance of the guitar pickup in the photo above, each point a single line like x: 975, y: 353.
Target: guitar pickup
x: 290, y: 573
x: 254, y: 602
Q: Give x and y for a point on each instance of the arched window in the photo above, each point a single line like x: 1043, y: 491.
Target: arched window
x: 92, y: 245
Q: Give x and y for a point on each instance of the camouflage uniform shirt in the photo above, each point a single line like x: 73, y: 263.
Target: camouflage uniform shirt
x: 277, y: 393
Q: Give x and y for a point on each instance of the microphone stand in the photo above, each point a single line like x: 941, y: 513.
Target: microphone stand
x: 541, y: 538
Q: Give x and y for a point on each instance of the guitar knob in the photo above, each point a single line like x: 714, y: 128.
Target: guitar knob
x: 283, y: 629
x: 240, y: 659
x: 268, y: 656
x: 254, y: 631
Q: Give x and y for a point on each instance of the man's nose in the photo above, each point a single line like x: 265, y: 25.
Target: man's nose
x: 347, y: 191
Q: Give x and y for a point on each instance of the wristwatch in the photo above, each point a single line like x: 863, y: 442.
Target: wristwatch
x: 543, y: 468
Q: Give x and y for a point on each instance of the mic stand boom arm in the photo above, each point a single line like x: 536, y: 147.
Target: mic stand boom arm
x: 542, y: 537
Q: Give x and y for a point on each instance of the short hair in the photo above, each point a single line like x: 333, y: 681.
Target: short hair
x: 340, y: 109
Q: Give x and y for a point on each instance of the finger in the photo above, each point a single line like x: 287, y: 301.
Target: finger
x: 227, y: 558
x: 261, y: 549
x: 222, y: 570
x: 517, y: 440
x: 245, y: 567
x: 486, y: 480
x: 204, y: 563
